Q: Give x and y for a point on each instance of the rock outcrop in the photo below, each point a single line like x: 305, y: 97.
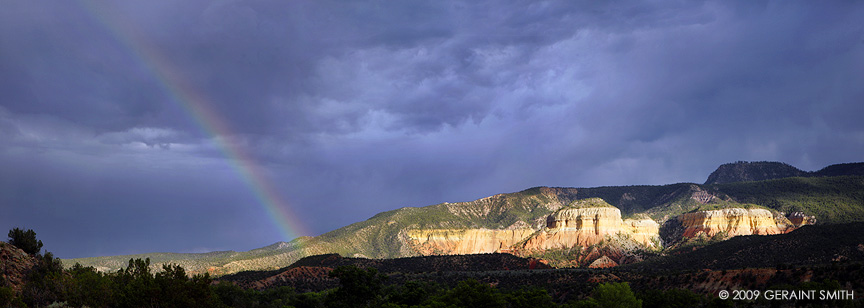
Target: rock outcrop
x: 583, y: 223
x: 603, y: 262
x: 645, y: 231
x: 14, y: 266
x: 464, y: 241
x: 590, y: 222
x: 798, y: 219
x: 735, y: 221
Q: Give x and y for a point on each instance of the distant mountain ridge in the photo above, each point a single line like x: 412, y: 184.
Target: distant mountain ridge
x: 743, y: 171
x: 507, y: 222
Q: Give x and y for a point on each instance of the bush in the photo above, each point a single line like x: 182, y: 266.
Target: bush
x: 670, y: 298
x: 471, y: 293
x: 88, y: 287
x: 25, y: 240
x: 357, y: 287
x: 45, y: 283
x: 618, y: 295
x: 536, y: 298
x: 6, y: 296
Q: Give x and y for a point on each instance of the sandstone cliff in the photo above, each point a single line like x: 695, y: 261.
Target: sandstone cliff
x: 645, y: 231
x: 739, y: 221
x: 590, y: 222
x: 464, y: 241
x: 732, y: 221
x: 583, y: 223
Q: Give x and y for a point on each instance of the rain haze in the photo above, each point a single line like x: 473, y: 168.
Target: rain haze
x: 192, y: 126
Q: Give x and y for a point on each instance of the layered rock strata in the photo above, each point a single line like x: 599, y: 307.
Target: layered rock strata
x: 585, y: 226
x: 465, y: 241
x: 731, y: 221
x: 589, y: 222
x: 645, y: 231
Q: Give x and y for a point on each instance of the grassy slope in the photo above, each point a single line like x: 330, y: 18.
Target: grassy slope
x: 193, y: 262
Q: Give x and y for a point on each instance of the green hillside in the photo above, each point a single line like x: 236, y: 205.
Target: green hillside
x: 831, y: 199
x: 743, y: 171
x: 378, y: 237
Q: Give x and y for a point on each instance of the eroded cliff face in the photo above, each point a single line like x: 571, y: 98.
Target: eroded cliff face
x: 732, y: 222
x: 570, y: 227
x: 645, y: 231
x: 587, y: 223
x: 464, y: 241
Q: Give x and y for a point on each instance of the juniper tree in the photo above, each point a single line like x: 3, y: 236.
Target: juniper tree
x: 25, y: 240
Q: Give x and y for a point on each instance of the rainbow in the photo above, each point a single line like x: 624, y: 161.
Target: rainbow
x: 200, y: 109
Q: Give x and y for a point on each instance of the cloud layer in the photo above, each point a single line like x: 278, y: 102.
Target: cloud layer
x: 356, y: 108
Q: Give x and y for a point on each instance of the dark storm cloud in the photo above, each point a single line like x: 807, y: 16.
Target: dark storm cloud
x: 357, y: 108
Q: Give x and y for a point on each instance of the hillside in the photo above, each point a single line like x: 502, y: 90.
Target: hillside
x: 15, y: 265
x: 841, y: 169
x: 809, y: 245
x: 752, y: 171
x: 837, y: 199
x: 743, y: 171
x: 813, y: 252
x: 311, y: 273
x: 381, y: 236
x: 509, y: 222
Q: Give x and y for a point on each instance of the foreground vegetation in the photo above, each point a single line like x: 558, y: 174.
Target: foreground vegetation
x: 48, y: 284
x: 136, y: 286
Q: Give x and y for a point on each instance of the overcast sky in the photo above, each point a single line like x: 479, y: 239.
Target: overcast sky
x: 347, y: 109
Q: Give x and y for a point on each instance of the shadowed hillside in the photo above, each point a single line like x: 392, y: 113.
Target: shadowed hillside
x: 743, y: 171
x: 311, y: 273
x: 809, y: 245
x: 752, y: 171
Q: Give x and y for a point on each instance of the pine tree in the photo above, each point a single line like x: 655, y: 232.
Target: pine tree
x: 25, y: 240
